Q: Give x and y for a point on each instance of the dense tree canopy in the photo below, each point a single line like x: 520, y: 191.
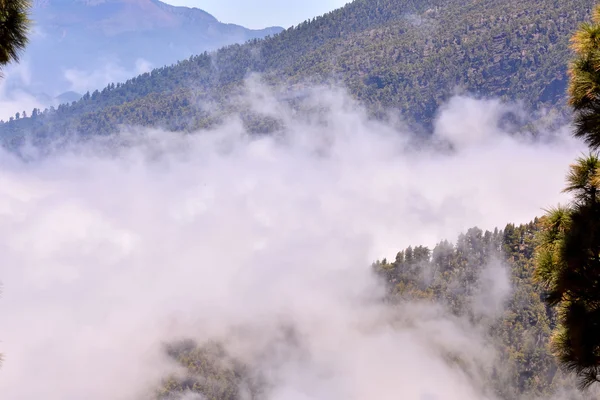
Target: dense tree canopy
x: 405, y: 55
x: 453, y: 274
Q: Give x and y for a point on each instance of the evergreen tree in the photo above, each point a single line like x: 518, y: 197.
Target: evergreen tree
x: 568, y: 253
x: 584, y: 84
x: 568, y: 266
x: 14, y: 27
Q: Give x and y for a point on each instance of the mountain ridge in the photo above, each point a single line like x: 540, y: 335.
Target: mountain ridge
x: 151, y: 11
x: 404, y: 55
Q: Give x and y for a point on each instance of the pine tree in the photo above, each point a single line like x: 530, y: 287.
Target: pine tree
x: 14, y: 27
x: 584, y: 81
x: 568, y: 266
x: 568, y: 253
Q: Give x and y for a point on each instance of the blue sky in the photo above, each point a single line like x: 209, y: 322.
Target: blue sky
x: 262, y: 13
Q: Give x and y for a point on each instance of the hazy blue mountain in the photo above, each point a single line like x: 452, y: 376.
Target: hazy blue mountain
x: 80, y: 45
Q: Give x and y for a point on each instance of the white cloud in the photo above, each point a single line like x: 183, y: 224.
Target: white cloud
x: 13, y: 98
x: 110, y: 247
x: 81, y: 81
x: 494, y: 288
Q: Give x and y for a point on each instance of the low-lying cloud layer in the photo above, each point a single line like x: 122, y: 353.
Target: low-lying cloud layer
x: 110, y: 248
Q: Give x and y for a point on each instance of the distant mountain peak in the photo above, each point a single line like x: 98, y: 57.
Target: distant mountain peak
x: 89, y: 2
x: 113, y: 17
x: 118, y: 16
x: 86, y: 44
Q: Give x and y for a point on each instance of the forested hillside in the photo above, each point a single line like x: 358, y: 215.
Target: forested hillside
x: 400, y: 54
x: 451, y: 275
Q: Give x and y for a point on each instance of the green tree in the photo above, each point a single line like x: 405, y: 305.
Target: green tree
x: 14, y: 28
x: 568, y: 253
x: 568, y: 267
x: 584, y: 81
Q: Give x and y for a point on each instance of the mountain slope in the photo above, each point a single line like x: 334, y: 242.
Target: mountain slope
x: 456, y: 276
x: 80, y: 44
x: 406, y: 55
x: 520, y: 325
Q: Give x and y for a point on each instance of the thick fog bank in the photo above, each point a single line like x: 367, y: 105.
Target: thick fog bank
x: 110, y: 248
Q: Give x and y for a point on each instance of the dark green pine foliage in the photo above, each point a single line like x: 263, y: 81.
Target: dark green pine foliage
x: 14, y: 29
x: 568, y: 266
x: 584, y: 83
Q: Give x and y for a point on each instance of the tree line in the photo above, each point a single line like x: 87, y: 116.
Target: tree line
x: 408, y: 56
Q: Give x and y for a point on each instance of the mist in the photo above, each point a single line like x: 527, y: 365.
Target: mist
x: 109, y: 71
x: 14, y: 96
x: 111, y: 247
x: 21, y: 90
